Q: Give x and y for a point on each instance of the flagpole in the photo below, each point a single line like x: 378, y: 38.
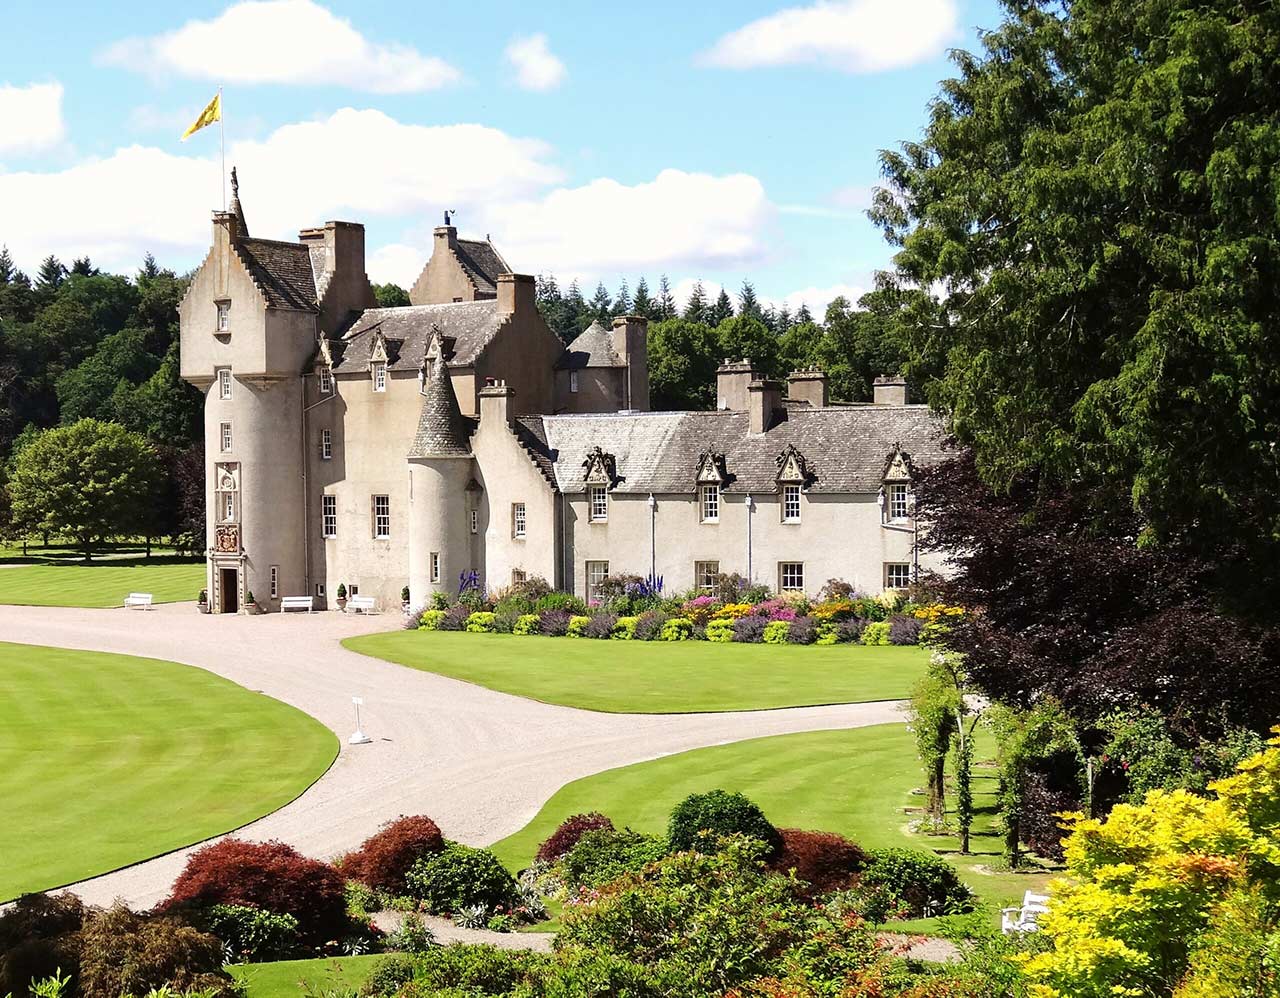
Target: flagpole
x: 222, y: 145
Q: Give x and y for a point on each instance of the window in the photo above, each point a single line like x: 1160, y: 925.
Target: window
x: 704, y: 574
x: 517, y: 519
x: 224, y: 437
x: 898, y: 509
x: 573, y: 381
x: 228, y: 507
x: 329, y: 516
x: 326, y: 445
x: 380, y: 377
x: 709, y: 503
x: 791, y: 504
x: 518, y: 576
x: 224, y: 317
x: 326, y: 381
x: 320, y: 590
x: 224, y: 383
x: 791, y: 576
x: 599, y: 504
x: 353, y: 590
x: 275, y: 581
x: 896, y: 575
x: 435, y: 566
x: 381, y: 517
x: 475, y: 521
x: 597, y: 572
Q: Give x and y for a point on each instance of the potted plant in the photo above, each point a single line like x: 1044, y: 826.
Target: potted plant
x: 342, y: 596
x: 202, y: 601
x: 250, y: 604
x: 404, y: 598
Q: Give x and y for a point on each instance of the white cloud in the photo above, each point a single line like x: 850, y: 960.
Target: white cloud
x: 31, y: 118
x: 282, y: 41
x: 853, y: 36
x: 819, y: 298
x: 535, y: 66
x: 857, y: 196
x: 396, y: 263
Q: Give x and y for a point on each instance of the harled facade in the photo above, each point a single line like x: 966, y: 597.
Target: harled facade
x: 391, y: 447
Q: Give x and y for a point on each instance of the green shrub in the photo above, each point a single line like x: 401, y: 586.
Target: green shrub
x: 776, y: 632
x: 503, y: 922
x: 251, y: 934
x: 413, y: 936
x: 876, y: 633
x: 624, y: 629
x: 481, y: 622
x: 561, y: 601
x: 430, y: 620
x: 124, y: 952
x: 527, y: 623
x: 602, y: 855
x: 719, y: 630
x: 676, y: 629
x: 387, y: 976
x: 718, y: 813
x: 577, y: 626
x: 828, y: 634
x: 362, y: 900
x: 473, y: 970
x: 924, y: 882
x: 458, y: 877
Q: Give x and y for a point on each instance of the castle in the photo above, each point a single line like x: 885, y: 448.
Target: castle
x: 387, y: 447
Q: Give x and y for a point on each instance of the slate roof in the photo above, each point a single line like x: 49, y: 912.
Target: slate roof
x: 442, y: 429
x: 593, y: 347
x: 482, y: 263
x: 408, y: 330
x: 282, y: 271
x: 846, y: 449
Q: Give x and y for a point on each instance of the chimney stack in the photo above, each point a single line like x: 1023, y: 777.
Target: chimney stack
x: 515, y: 292
x: 732, y: 379
x: 808, y: 386
x: 764, y: 400
x: 495, y: 402
x: 631, y: 343
x: 889, y: 389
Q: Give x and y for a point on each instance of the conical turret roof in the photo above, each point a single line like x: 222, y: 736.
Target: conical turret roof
x: 442, y: 429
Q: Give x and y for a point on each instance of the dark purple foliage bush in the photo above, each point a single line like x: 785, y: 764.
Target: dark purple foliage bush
x: 386, y: 856
x: 850, y: 630
x: 825, y: 860
x: 554, y: 623
x: 600, y: 625
x: 505, y: 622
x: 649, y: 625
x: 1043, y: 799
x: 804, y: 631
x: 749, y: 630
x: 904, y: 630
x: 455, y: 618
x: 570, y: 831
x: 39, y: 934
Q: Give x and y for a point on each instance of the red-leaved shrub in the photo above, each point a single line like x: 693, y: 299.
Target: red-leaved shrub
x: 385, y: 857
x: 825, y: 860
x: 571, y: 829
x: 269, y: 875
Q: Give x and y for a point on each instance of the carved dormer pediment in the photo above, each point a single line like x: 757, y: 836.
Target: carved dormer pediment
x: 326, y: 353
x: 600, y: 469
x: 711, y: 469
x: 793, y: 469
x: 378, y: 349
x: 898, y: 466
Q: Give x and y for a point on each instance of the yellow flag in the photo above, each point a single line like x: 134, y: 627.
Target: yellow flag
x: 211, y: 113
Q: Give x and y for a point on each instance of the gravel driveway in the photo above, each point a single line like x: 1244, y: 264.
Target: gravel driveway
x: 480, y: 763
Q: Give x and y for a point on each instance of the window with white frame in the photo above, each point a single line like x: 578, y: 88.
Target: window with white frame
x: 326, y: 444
x: 380, y: 377
x: 791, y: 504
x: 320, y: 590
x: 224, y: 317
x: 709, y: 503
x: 705, y: 573
x: 475, y: 521
x: 224, y: 383
x: 275, y: 581
x: 435, y: 566
x: 381, y: 517
x: 518, y: 519
x: 897, y: 575
x: 597, y: 572
x: 329, y: 516
x: 326, y: 381
x: 228, y: 507
x: 224, y: 437
x: 898, y: 501
x: 599, y: 499
x: 518, y: 575
x: 791, y: 576
x: 573, y: 381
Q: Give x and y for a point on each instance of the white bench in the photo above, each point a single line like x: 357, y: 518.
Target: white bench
x: 288, y: 603
x: 357, y: 603
x: 1023, y: 918
x: 142, y: 600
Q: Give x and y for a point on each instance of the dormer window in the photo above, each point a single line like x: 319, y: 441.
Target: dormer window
x: 326, y: 381
x: 222, y: 323
x: 380, y: 376
x: 599, y: 496
x: 709, y: 503
x: 791, y: 504
x: 899, y: 503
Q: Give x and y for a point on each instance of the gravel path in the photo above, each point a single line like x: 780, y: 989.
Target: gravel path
x: 480, y: 763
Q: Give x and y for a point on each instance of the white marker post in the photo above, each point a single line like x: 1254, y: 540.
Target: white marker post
x: 359, y: 738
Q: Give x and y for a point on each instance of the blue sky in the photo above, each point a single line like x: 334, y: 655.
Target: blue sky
x: 718, y: 141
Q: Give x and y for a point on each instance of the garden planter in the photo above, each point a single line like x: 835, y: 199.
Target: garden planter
x: 342, y: 604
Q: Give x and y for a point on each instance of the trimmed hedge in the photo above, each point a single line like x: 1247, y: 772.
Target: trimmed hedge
x: 700, y: 819
x: 460, y: 877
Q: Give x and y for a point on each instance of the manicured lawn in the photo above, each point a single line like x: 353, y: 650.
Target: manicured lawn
x: 106, y: 760
x: 101, y: 583
x: 298, y: 978
x: 856, y: 782
x: 637, y: 677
